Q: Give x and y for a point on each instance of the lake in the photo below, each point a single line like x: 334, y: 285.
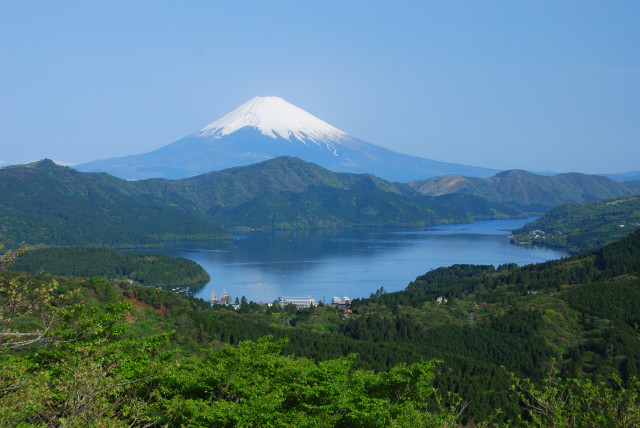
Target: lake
x: 319, y: 263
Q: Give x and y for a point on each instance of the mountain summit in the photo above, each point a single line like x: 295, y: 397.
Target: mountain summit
x: 275, y: 117
x: 268, y: 127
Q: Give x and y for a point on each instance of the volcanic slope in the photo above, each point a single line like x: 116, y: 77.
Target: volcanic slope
x: 268, y: 127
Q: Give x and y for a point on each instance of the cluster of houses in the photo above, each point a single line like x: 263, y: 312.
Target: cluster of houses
x: 537, y: 234
x: 343, y: 303
x: 226, y: 300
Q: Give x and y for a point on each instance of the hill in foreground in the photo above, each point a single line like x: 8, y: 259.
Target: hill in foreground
x: 580, y: 312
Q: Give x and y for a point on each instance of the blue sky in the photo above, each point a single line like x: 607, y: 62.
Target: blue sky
x: 538, y: 85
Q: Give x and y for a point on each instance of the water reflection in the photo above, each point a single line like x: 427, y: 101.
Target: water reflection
x: 324, y: 263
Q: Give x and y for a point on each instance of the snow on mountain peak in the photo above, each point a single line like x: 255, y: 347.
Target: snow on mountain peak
x: 275, y: 117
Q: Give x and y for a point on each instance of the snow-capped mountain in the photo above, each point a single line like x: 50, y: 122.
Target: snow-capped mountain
x: 275, y: 117
x: 268, y: 127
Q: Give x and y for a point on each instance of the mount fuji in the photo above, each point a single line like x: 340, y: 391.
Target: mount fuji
x: 269, y: 127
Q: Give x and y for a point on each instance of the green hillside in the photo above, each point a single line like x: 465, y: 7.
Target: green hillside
x: 43, y: 203
x: 287, y: 192
x: 531, y: 193
x: 570, y: 326
x: 581, y: 227
x: 53, y: 205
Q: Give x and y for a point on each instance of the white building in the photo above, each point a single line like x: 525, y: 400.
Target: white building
x: 299, y: 302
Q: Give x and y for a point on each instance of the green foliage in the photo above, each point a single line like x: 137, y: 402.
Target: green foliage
x: 574, y: 402
x: 9, y: 257
x: 79, y: 369
x: 99, y: 358
x: 26, y: 313
x: 593, y: 329
x: 286, y: 192
x: 252, y: 385
x: 150, y: 269
x: 480, y: 208
x: 92, y: 373
x: 321, y: 207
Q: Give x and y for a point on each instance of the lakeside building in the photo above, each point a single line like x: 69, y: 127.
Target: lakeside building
x: 343, y: 304
x: 298, y: 302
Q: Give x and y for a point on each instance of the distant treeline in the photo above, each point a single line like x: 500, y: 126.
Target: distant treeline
x: 149, y: 269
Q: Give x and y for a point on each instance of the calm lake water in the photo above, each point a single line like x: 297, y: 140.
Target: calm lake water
x: 265, y: 265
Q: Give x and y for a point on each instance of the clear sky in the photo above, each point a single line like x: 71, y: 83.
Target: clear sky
x: 538, y: 85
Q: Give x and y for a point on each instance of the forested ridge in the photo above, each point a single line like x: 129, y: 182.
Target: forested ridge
x: 155, y: 270
x: 43, y: 203
x: 52, y: 205
x: 544, y: 344
x: 531, y: 193
x: 582, y: 227
x: 47, y: 204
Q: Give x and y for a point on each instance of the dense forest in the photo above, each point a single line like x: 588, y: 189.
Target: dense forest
x: 552, y: 343
x: 582, y: 227
x: 43, y: 203
x: 154, y: 270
